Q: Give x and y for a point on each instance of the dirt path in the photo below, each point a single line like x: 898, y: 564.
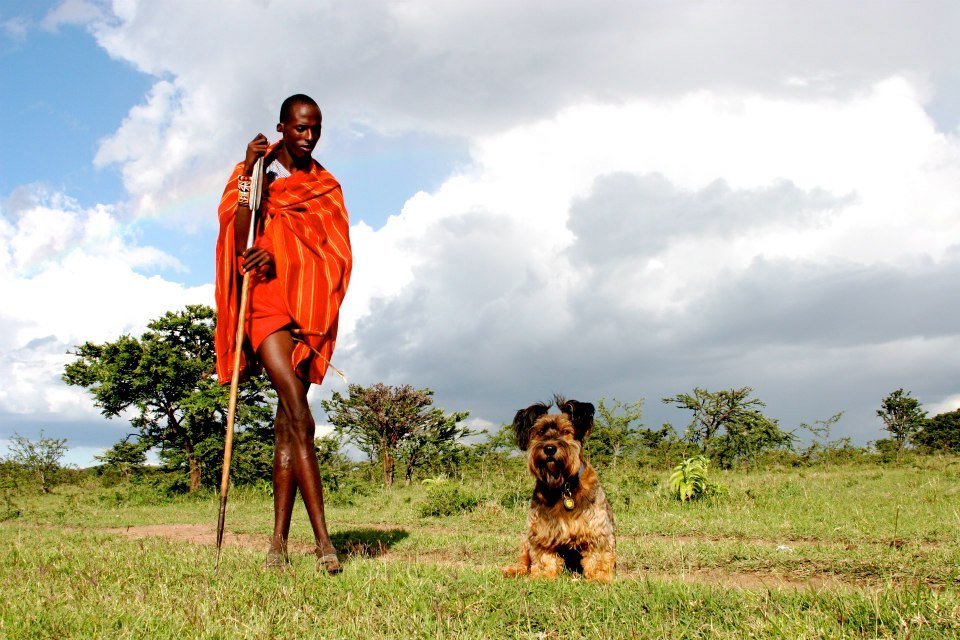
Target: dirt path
x: 198, y: 534
x: 206, y: 535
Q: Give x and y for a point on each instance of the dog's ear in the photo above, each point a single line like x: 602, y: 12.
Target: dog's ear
x: 524, y: 421
x: 580, y: 414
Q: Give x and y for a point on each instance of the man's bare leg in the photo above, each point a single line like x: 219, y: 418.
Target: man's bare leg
x: 299, y: 428
x: 284, y: 490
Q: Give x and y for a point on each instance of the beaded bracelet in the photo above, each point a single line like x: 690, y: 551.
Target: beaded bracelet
x: 244, y: 184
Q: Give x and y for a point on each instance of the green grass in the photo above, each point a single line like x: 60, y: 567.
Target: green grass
x: 860, y: 551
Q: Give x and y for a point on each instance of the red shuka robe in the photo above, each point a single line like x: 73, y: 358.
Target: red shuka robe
x: 306, y: 223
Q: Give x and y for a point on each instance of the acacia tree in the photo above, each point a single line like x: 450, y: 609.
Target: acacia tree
x: 901, y: 415
x: 729, y: 424
x: 41, y: 457
x: 746, y: 437
x: 713, y: 411
x: 167, y: 377
x: 390, y: 423
x: 433, y: 442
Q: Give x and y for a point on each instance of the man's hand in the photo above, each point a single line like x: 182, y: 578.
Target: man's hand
x: 256, y: 148
x: 256, y: 258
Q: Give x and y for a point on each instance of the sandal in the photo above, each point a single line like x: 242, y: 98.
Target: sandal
x: 328, y: 562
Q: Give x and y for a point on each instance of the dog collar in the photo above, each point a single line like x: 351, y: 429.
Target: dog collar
x: 568, y: 503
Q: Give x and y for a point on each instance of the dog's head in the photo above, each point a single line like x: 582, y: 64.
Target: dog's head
x: 553, y: 442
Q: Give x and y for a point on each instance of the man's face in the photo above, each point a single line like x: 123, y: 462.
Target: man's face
x: 301, y: 130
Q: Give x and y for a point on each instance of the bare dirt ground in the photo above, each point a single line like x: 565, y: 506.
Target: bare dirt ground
x: 195, y: 534
x: 206, y: 535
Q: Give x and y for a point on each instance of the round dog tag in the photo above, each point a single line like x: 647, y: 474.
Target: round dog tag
x: 568, y: 503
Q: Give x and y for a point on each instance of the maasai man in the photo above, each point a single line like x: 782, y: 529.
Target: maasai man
x: 300, y: 266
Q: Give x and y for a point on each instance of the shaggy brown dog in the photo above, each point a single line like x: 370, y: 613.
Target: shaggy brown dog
x: 570, y: 523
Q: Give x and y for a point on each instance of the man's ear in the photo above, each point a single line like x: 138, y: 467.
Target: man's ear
x: 523, y: 422
x: 580, y: 414
x: 279, y: 127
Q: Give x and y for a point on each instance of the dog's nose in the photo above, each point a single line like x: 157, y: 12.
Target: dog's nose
x: 550, y: 449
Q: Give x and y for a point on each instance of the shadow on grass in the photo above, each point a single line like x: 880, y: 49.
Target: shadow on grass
x: 367, y: 543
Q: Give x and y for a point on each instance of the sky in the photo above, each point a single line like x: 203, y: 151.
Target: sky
x: 619, y: 200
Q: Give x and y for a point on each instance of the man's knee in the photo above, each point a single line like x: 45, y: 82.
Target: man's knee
x: 301, y: 427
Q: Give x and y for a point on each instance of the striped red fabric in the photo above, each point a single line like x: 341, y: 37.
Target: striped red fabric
x: 306, y: 222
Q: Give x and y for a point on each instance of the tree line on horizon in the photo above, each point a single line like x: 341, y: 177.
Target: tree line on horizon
x: 166, y: 379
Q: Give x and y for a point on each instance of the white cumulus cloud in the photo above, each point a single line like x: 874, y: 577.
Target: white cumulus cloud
x: 647, y: 247
x: 465, y: 69
x: 68, y: 275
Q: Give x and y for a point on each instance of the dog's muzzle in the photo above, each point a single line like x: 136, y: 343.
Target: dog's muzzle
x: 550, y: 468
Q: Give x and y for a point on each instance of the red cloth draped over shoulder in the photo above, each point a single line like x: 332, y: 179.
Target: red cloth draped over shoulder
x: 307, y: 225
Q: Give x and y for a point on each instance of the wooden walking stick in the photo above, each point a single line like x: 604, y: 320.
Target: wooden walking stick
x: 256, y: 190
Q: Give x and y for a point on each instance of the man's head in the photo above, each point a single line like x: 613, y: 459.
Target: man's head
x: 300, y: 121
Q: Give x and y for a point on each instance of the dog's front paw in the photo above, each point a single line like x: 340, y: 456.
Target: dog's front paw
x: 515, y: 571
x: 602, y: 577
x: 599, y: 566
x: 545, y: 573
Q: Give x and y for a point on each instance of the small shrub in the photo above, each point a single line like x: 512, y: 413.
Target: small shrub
x: 168, y: 483
x: 890, y: 451
x: 840, y: 451
x: 446, y: 499
x: 689, y: 480
x: 514, y: 498
x: 347, y: 489
x: 12, y: 476
x: 10, y: 510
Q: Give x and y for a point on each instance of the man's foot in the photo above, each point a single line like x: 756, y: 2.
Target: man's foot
x: 328, y: 561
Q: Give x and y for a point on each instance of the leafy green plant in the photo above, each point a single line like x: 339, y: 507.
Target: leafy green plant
x: 689, y: 480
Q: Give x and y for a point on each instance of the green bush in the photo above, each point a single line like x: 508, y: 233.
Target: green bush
x: 136, y: 492
x: 840, y: 451
x: 447, y: 499
x: 13, y: 475
x: 888, y: 450
x: 514, y: 498
x: 346, y: 489
x: 9, y: 510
